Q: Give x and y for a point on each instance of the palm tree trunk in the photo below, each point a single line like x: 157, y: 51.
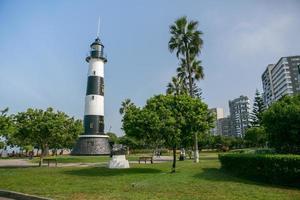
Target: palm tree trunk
x: 187, y: 57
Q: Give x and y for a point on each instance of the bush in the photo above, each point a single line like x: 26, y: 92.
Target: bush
x: 147, y: 151
x: 254, y: 151
x: 283, y: 169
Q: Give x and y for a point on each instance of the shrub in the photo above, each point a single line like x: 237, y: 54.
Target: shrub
x: 147, y: 151
x: 283, y: 169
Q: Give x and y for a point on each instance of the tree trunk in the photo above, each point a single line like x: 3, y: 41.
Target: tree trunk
x: 41, y: 157
x: 174, y: 160
x: 187, y: 57
x: 44, y: 148
x: 196, y: 153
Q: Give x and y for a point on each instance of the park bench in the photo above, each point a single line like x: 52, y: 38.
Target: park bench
x: 145, y: 158
x: 49, y: 160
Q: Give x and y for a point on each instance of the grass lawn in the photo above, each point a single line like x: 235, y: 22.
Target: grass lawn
x: 191, y: 181
x: 77, y: 159
x: 85, y: 159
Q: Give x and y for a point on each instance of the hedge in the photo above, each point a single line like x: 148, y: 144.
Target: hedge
x: 274, y: 168
x: 145, y: 151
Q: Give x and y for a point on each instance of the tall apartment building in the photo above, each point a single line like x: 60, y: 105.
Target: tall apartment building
x: 219, y: 113
x: 225, y: 126
x: 239, y: 115
x: 282, y: 78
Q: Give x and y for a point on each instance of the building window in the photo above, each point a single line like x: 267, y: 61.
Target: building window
x: 91, y: 125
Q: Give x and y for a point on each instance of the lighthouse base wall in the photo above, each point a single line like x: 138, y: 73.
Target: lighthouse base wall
x: 92, y: 145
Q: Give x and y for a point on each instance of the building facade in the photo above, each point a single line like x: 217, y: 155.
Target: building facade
x: 225, y: 126
x: 280, y: 79
x: 219, y: 114
x: 239, y: 115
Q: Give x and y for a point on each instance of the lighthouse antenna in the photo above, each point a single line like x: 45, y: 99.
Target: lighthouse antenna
x: 98, y: 29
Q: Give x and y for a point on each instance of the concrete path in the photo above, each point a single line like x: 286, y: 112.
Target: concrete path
x: 27, y: 163
x: 16, y: 163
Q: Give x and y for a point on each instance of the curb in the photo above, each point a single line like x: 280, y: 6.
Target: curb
x: 20, y: 196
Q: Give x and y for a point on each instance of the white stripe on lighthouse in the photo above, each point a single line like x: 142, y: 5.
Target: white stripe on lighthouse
x: 96, y: 67
x: 94, y: 105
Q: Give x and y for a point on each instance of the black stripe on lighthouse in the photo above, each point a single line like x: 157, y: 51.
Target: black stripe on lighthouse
x: 95, y: 85
x: 93, y: 124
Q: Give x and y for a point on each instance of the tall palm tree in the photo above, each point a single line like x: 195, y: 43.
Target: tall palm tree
x: 125, y: 105
x: 176, y: 86
x: 186, y: 41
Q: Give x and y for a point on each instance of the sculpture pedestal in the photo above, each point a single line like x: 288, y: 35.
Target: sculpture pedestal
x: 4, y: 154
x: 92, y: 145
x: 118, y: 162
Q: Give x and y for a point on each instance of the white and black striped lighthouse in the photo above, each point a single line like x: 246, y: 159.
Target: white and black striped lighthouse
x: 94, y: 141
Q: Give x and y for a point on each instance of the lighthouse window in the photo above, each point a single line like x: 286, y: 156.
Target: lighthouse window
x: 94, y: 72
x: 91, y: 125
x: 93, y: 97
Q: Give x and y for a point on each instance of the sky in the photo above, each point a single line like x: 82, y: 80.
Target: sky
x: 43, y: 45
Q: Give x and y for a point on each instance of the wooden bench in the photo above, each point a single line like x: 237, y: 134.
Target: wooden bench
x: 49, y: 160
x: 145, y: 158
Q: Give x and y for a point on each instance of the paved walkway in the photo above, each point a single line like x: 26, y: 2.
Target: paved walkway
x: 16, y: 163
x: 27, y: 163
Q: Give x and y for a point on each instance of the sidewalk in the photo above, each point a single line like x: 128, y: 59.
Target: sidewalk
x: 16, y: 163
x: 27, y: 163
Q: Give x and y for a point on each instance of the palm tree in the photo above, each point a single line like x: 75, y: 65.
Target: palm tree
x: 186, y: 41
x: 176, y: 86
x: 125, y: 105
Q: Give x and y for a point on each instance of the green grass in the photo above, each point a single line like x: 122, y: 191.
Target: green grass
x: 84, y: 159
x: 77, y: 159
x: 191, y: 181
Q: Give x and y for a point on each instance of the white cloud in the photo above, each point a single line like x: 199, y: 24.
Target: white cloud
x: 254, y: 38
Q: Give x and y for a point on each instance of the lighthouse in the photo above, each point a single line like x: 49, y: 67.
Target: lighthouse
x: 94, y: 141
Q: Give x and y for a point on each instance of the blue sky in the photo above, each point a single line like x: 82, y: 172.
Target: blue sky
x: 43, y: 45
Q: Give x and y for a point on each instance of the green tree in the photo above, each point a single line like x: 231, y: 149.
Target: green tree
x: 258, y: 108
x: 126, y: 104
x: 142, y: 125
x: 113, y: 138
x: 168, y: 119
x: 2, y: 145
x: 186, y: 41
x: 282, y: 123
x: 46, y: 129
x: 7, y: 127
x: 256, y: 136
x: 129, y: 142
x: 176, y: 86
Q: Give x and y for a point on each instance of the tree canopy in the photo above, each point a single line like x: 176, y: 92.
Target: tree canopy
x: 282, y: 123
x: 46, y: 129
x: 256, y: 136
x: 257, y: 111
x: 6, y: 124
x: 168, y: 120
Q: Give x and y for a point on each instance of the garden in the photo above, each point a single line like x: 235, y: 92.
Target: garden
x: 204, y: 180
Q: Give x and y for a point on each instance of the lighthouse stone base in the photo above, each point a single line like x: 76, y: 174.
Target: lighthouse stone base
x: 92, y: 145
